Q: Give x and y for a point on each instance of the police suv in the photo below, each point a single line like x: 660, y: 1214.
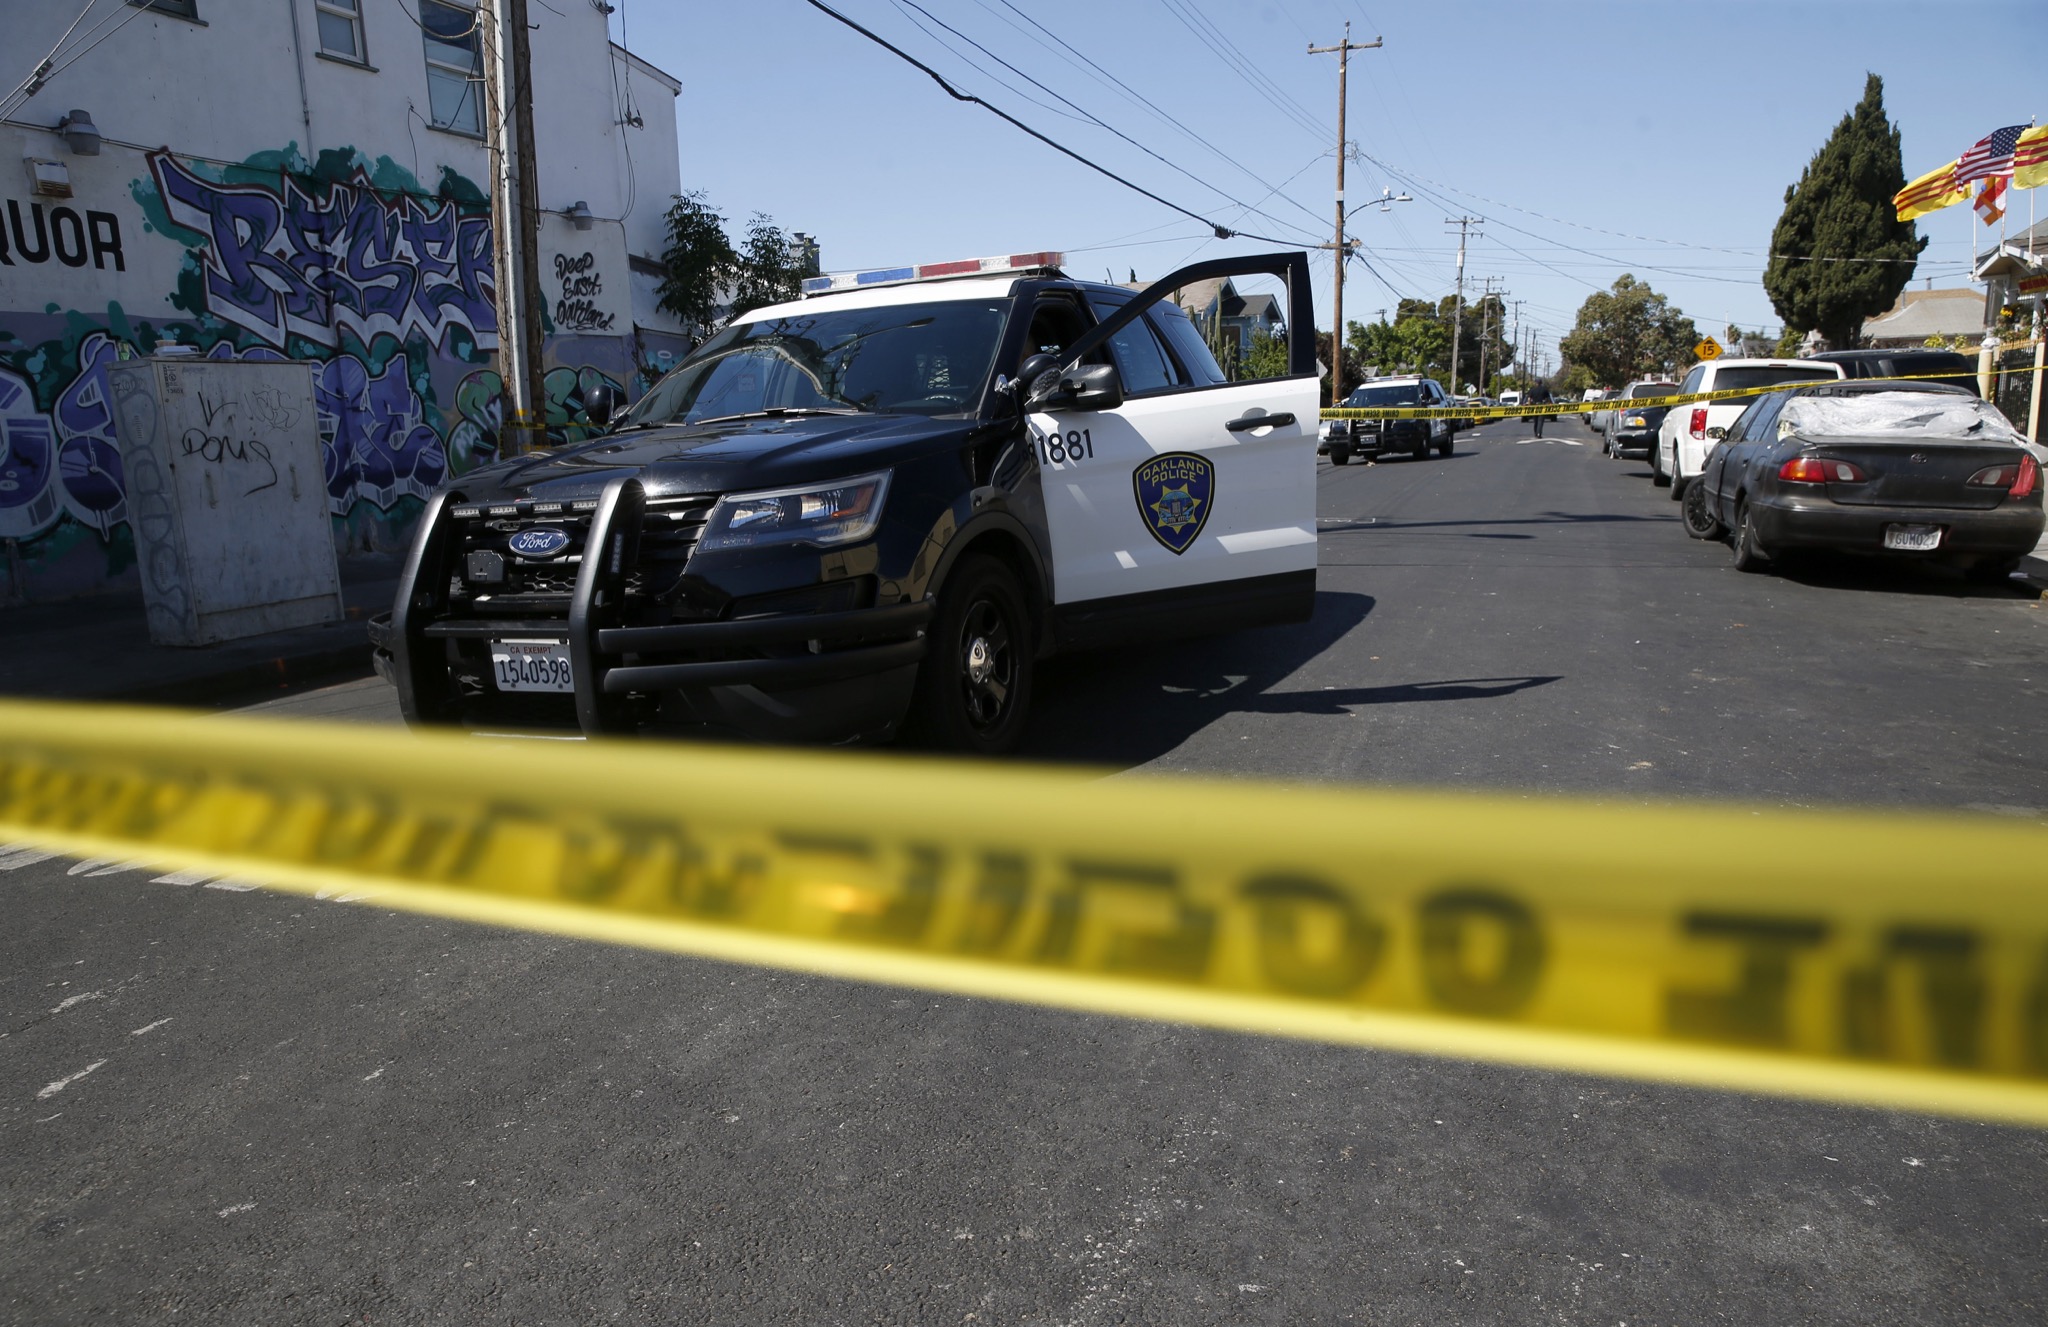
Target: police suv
x: 870, y: 512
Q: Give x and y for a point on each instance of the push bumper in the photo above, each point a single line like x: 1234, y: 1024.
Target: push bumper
x: 800, y: 677
x: 1783, y: 523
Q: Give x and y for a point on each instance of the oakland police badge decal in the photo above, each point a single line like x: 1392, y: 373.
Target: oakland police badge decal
x: 1175, y: 494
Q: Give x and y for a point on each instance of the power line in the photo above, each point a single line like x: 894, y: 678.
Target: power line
x: 1041, y: 33
x: 1088, y: 115
x: 1222, y: 232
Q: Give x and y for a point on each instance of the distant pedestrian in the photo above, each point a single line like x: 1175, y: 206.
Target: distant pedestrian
x: 1539, y: 395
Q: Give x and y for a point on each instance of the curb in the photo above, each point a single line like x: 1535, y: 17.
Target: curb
x: 237, y: 681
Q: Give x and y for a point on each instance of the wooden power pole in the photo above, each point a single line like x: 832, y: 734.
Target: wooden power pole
x: 1339, y: 247
x: 515, y: 217
x: 1464, y: 224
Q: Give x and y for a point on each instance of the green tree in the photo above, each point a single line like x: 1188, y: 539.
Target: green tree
x: 697, y: 262
x: 702, y: 271
x: 1842, y: 209
x: 768, y: 269
x: 1625, y: 332
x: 1267, y: 357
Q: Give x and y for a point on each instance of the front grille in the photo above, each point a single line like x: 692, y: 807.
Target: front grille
x: 489, y: 579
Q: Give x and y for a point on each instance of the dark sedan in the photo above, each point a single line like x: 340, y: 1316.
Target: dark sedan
x: 1924, y: 472
x: 1631, y: 430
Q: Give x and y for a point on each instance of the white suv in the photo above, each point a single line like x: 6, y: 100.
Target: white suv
x: 1689, y: 432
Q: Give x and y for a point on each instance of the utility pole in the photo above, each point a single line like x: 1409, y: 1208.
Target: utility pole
x: 1339, y: 247
x: 1485, y: 332
x: 515, y: 218
x: 1515, y: 341
x: 1464, y: 224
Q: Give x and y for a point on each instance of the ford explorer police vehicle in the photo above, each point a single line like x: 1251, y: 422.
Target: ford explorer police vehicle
x: 871, y: 511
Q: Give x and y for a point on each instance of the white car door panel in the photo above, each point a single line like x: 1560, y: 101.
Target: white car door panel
x: 1241, y: 503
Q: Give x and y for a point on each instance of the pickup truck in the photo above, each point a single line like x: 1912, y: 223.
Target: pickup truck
x: 1689, y: 432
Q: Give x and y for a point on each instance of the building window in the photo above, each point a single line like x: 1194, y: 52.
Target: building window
x: 454, y: 69
x: 179, y: 8
x: 341, y: 28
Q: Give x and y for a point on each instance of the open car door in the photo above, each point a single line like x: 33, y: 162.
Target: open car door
x: 1176, y: 501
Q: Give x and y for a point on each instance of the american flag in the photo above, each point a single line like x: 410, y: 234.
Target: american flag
x: 1991, y: 156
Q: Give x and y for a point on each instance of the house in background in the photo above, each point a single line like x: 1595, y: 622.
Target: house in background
x: 307, y: 179
x: 1225, y: 317
x: 1923, y: 314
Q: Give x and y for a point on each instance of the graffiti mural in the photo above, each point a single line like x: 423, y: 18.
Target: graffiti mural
x: 282, y: 262
x: 385, y: 285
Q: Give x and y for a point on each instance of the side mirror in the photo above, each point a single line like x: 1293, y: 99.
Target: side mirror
x: 1083, y: 387
x: 600, y: 403
x: 1716, y: 433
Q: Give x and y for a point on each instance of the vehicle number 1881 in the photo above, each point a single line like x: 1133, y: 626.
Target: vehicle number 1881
x: 1056, y: 448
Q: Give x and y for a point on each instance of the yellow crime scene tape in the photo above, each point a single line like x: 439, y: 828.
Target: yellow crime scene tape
x: 1547, y: 409
x: 1885, y: 959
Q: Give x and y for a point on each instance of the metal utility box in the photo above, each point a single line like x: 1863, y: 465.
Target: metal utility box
x: 226, y: 495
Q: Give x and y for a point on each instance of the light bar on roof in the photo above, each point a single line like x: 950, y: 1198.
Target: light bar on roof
x: 896, y: 276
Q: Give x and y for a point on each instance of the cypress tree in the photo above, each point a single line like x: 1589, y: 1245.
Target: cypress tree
x: 1842, y: 208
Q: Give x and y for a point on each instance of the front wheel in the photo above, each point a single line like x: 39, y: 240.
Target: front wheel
x: 974, y: 689
x: 1444, y: 448
x: 1657, y: 475
x: 1700, y: 521
x: 1340, y: 456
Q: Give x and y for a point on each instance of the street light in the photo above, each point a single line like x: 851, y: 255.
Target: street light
x: 1388, y: 198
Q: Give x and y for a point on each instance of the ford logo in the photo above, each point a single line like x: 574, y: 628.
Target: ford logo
x: 542, y: 542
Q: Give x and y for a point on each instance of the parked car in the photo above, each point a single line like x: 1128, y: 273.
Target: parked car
x: 1596, y: 420
x: 1954, y: 369
x: 1344, y: 438
x: 1919, y: 471
x: 1632, y: 432
x: 1688, y: 431
x: 1511, y: 397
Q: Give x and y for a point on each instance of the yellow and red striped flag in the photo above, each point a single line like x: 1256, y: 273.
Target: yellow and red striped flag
x: 2030, y: 159
x: 1930, y: 193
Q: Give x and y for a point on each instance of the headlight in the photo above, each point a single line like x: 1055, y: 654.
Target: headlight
x: 1637, y: 422
x: 839, y: 512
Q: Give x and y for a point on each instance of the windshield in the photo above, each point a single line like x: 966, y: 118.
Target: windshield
x: 1732, y: 379
x: 923, y: 359
x: 1400, y: 394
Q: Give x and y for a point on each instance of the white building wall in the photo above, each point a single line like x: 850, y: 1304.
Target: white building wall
x: 271, y: 201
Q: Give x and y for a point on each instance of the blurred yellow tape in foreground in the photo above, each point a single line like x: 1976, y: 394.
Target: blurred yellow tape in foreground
x: 1884, y: 959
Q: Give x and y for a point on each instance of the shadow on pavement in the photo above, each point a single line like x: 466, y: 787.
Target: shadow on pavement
x: 1128, y: 706
x: 1825, y: 571
x: 1546, y: 518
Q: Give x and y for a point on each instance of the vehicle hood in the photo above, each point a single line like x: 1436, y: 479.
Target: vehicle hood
x: 718, y: 458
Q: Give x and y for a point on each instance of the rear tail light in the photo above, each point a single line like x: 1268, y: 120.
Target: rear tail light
x: 1819, y: 470
x: 2017, y: 479
x: 1699, y: 421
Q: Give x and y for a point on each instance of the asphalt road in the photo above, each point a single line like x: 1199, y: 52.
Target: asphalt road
x: 222, y: 1105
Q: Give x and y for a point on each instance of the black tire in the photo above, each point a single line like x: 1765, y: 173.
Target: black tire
x: 1679, y: 487
x: 1339, y: 456
x: 1449, y: 443
x: 1699, y: 518
x: 1747, y: 554
x: 1421, y: 453
x: 1991, y: 571
x: 1657, y: 475
x: 974, y: 689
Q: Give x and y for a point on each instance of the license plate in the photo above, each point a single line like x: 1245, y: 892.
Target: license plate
x: 1913, y: 538
x: 532, y: 665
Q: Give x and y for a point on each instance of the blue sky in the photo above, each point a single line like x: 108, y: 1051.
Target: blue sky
x: 1594, y: 137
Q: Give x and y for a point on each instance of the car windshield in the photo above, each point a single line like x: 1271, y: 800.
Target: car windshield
x: 924, y: 359
x: 1391, y: 394
x: 1922, y: 415
x: 1735, y: 378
